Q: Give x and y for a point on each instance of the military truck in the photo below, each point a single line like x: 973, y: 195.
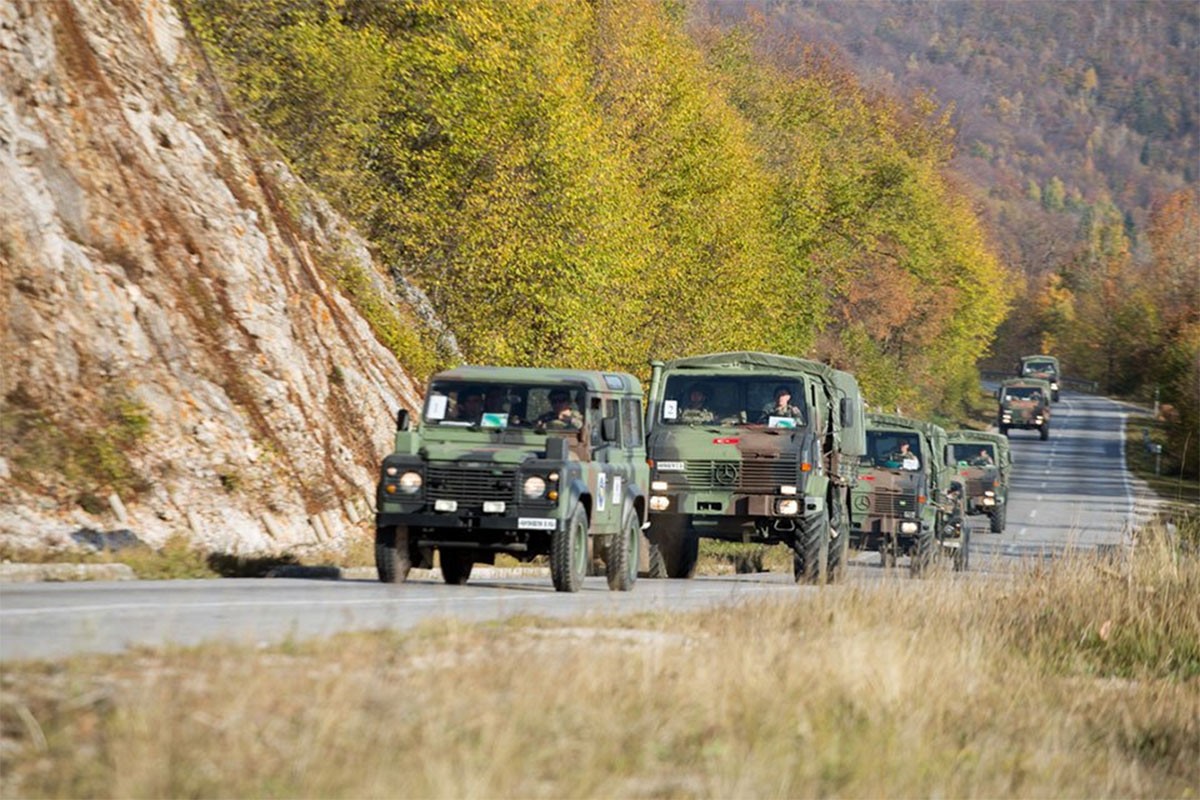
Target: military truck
x: 522, y: 461
x: 907, y: 500
x: 983, y: 462
x: 1044, y: 367
x: 751, y: 447
x: 1024, y: 403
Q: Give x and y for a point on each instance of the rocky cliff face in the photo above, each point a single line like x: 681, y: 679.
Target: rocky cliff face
x: 177, y: 357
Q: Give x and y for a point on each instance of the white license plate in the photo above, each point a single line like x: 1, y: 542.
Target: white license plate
x: 535, y: 524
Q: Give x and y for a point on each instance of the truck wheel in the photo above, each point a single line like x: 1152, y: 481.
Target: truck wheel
x: 569, y: 553
x: 456, y: 565
x: 812, y: 541
x: 682, y: 563
x: 922, y: 556
x: 962, y: 556
x: 392, y: 557
x: 998, y: 518
x: 621, y: 565
x: 1045, y: 432
x: 837, y: 544
x: 657, y: 566
x: 677, y: 545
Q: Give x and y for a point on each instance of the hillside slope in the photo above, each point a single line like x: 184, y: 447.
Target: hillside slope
x: 177, y: 356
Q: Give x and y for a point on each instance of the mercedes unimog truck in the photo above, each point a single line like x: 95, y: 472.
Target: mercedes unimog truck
x: 983, y: 462
x: 1044, y: 367
x: 756, y: 448
x: 907, y: 501
x: 1024, y: 403
x: 522, y: 461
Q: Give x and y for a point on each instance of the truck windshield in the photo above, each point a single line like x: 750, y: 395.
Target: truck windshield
x: 464, y: 404
x: 1022, y: 393
x: 894, y: 449
x: 1040, y: 368
x: 975, y: 455
x: 775, y: 401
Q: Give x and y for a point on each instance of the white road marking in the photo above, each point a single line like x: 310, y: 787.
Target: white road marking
x: 1033, y: 513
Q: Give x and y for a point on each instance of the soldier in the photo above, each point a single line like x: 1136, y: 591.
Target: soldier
x: 782, y: 407
x: 561, y: 415
x: 470, y: 404
x: 907, y: 458
x: 984, y: 459
x: 696, y: 411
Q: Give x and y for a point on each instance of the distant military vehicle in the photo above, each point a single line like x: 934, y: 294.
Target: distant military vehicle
x: 521, y: 461
x: 1024, y: 403
x: 1044, y: 367
x: 752, y: 447
x: 983, y: 462
x: 907, y: 501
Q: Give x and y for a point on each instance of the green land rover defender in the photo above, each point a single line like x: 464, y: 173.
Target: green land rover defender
x: 522, y: 461
x: 983, y: 462
x: 907, y: 500
x: 751, y: 447
x: 1024, y: 403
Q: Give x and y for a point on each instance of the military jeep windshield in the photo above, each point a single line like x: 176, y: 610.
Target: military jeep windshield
x: 772, y: 401
x: 1031, y: 393
x: 883, y: 448
x: 554, y: 408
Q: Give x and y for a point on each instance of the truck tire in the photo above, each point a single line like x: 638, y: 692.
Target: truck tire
x: 1045, y: 431
x: 996, y: 523
x: 569, y: 553
x: 677, y: 545
x: 962, y: 556
x: 681, y: 562
x: 922, y: 555
x: 811, y: 542
x: 456, y: 565
x: 393, y: 560
x: 657, y: 567
x: 622, y: 561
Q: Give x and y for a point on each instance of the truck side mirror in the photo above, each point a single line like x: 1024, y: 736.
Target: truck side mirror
x: 609, y: 429
x: 556, y: 448
x: 846, y: 410
x: 402, y: 419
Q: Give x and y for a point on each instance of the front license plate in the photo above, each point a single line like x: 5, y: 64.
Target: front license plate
x: 535, y: 524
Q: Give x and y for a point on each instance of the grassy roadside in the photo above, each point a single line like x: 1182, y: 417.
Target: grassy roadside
x: 1077, y: 678
x: 1177, y: 494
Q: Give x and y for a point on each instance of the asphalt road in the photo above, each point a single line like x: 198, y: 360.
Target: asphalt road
x: 1071, y: 491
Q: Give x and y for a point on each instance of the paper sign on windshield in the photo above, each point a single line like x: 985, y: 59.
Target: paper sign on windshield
x: 670, y: 409
x: 780, y: 422
x: 494, y: 420
x: 437, y: 407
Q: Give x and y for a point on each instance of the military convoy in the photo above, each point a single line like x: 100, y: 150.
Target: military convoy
x: 751, y: 447
x: 743, y: 446
x: 907, y: 500
x: 1024, y: 403
x: 522, y: 461
x: 1044, y: 367
x: 983, y: 462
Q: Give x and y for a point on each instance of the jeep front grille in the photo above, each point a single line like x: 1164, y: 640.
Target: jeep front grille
x: 756, y: 475
x: 471, y: 486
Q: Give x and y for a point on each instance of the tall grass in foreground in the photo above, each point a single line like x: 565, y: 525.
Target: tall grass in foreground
x: 1080, y: 679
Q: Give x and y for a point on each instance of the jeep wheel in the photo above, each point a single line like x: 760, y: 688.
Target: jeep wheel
x: 392, y: 557
x: 621, y: 565
x: 922, y: 555
x: 569, y: 553
x: 998, y: 519
x: 1045, y: 432
x: 456, y: 565
x: 962, y: 556
x: 812, y: 541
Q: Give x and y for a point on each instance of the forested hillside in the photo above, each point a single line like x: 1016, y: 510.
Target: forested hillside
x: 1078, y: 137
x: 597, y: 184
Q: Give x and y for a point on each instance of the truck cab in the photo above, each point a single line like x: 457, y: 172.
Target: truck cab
x: 521, y: 461
x: 1044, y: 367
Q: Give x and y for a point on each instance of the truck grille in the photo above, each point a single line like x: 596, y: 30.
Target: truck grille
x: 471, y: 486
x: 758, y: 476
x: 977, y: 486
x: 893, y: 504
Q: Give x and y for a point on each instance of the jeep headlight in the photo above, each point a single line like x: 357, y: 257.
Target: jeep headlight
x: 534, y: 486
x: 410, y: 482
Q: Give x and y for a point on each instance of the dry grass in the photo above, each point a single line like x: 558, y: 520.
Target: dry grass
x: 1080, y: 680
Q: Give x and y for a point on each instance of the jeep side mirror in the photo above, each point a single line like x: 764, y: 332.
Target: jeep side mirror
x: 609, y: 430
x: 402, y: 419
x: 556, y: 448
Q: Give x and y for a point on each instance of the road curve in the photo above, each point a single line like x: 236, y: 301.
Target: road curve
x: 1071, y: 491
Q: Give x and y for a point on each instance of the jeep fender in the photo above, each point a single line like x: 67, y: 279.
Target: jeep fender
x: 576, y: 491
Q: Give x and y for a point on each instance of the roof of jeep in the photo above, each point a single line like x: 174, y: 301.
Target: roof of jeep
x: 592, y: 380
x: 882, y: 422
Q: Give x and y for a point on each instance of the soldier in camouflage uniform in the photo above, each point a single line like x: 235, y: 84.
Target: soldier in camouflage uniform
x: 696, y: 411
x: 561, y: 415
x: 782, y: 407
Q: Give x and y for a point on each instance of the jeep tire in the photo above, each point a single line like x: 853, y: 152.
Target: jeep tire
x: 569, y: 553
x: 393, y: 556
x: 996, y: 523
x: 456, y: 565
x: 621, y: 564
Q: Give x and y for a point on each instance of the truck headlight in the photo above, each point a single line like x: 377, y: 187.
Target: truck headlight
x: 788, y: 507
x: 410, y: 482
x: 909, y: 527
x: 659, y: 503
x: 534, y: 486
